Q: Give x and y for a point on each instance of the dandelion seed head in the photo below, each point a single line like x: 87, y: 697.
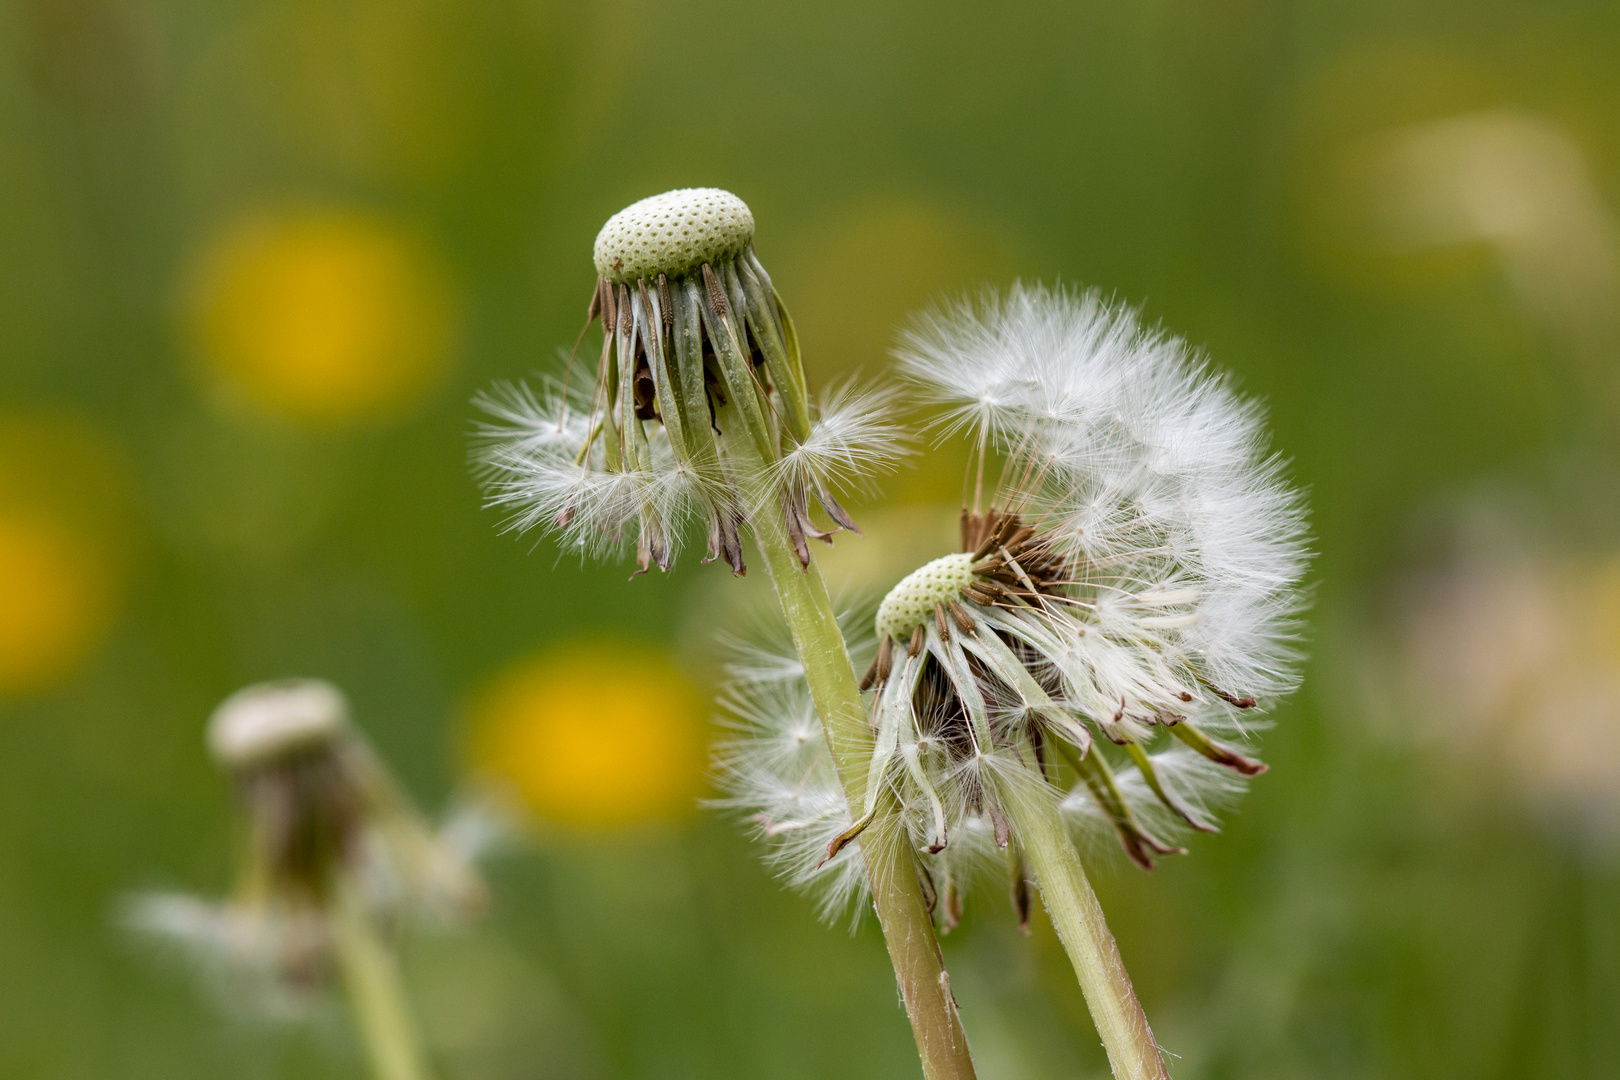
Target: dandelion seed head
x: 1123, y: 608
x: 911, y: 603
x: 672, y: 234
x: 271, y: 720
x: 698, y: 414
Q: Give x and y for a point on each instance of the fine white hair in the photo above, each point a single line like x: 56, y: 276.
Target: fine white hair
x: 1171, y: 547
x: 1135, y: 456
x: 540, y: 459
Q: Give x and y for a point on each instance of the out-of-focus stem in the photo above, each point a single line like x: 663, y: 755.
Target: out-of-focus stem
x: 376, y: 994
x: 1078, y: 919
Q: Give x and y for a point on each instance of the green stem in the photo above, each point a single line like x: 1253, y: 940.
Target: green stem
x: 1080, y: 925
x: 376, y: 995
x: 897, y: 895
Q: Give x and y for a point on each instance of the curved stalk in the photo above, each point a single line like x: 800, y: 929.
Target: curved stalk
x: 908, y: 929
x: 1078, y: 919
x: 376, y: 994
x: 897, y: 896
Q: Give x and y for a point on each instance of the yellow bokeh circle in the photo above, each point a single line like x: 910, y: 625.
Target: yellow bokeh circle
x: 322, y: 316
x: 63, y: 538
x: 594, y: 734
x: 55, y: 600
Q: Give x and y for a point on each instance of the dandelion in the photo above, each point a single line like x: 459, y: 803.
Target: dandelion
x: 699, y: 408
x: 1123, y: 605
x: 699, y: 414
x: 336, y: 857
x: 64, y: 540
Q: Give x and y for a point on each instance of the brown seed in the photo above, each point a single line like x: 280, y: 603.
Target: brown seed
x: 1233, y: 700
x: 963, y: 619
x: 717, y: 295
x: 870, y: 679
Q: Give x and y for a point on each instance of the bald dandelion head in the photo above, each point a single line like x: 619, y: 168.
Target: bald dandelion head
x: 698, y: 415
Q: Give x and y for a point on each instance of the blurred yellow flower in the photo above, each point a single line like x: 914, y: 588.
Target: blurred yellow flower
x: 61, y: 501
x: 322, y: 316
x: 55, y: 600
x: 596, y: 734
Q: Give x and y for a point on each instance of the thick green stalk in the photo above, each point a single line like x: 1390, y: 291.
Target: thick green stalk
x: 1080, y: 925
x: 376, y: 995
x: 897, y: 895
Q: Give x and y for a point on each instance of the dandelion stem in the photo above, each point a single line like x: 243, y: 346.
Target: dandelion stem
x: 1078, y: 919
x: 897, y: 895
x: 376, y: 994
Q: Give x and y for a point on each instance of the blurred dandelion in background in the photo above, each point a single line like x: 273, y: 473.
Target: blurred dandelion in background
x: 1510, y: 653
x: 336, y: 860
x: 599, y: 734
x: 63, y: 553
x: 1518, y: 183
x: 323, y: 317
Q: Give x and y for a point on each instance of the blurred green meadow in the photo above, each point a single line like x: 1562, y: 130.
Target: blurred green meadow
x: 256, y: 258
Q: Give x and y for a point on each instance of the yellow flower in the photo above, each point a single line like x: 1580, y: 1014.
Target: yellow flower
x: 55, y: 602
x: 60, y: 575
x: 600, y: 734
x: 322, y: 316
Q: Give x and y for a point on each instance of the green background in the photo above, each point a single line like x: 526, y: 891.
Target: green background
x: 1371, y: 910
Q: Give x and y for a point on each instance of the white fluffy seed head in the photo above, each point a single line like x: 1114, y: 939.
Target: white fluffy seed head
x: 910, y: 604
x: 674, y: 234
x: 1170, y: 548
x: 1143, y: 464
x: 273, y: 720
